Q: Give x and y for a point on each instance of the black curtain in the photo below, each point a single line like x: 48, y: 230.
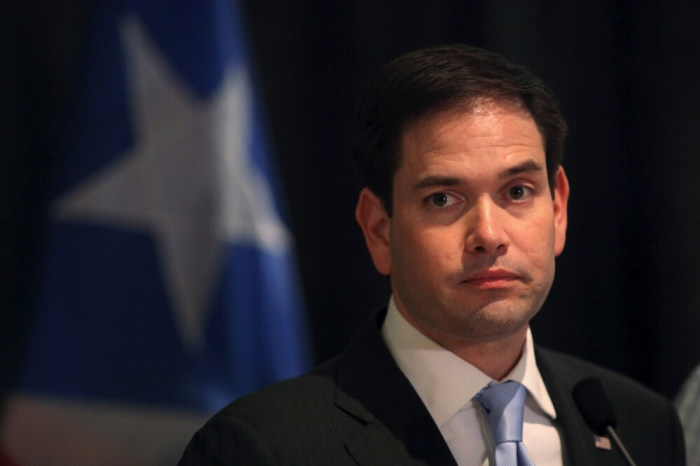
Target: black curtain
x: 625, y: 295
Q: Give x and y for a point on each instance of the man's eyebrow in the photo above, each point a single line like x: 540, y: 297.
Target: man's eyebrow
x: 434, y: 181
x: 528, y: 166
x: 525, y: 167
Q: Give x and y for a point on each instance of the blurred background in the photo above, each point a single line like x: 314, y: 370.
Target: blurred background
x: 626, y: 294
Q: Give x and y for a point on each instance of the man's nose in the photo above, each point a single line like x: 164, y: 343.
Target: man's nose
x: 485, y: 228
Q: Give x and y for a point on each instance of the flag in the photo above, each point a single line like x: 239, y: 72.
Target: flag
x: 168, y: 285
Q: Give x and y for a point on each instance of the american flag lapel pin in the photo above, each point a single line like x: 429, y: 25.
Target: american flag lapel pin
x: 602, y: 442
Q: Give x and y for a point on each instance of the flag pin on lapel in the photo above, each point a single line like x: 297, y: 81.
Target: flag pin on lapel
x: 602, y: 442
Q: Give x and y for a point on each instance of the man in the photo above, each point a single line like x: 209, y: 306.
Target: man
x: 465, y: 210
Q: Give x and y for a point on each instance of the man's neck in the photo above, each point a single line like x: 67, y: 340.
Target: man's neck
x: 495, y: 358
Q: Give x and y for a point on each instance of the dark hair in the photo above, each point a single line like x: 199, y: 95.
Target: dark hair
x: 442, y: 78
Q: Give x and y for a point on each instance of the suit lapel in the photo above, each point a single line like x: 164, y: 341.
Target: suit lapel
x: 577, y: 438
x: 397, y: 427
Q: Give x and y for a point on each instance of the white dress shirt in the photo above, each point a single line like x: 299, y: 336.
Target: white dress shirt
x: 447, y: 384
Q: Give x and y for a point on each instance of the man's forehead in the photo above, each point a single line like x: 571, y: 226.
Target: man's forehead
x: 488, y: 122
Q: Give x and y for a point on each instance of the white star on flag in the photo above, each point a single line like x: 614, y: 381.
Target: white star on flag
x: 188, y: 180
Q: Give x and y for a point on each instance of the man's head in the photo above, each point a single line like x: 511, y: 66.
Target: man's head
x: 430, y: 80
x: 466, y: 204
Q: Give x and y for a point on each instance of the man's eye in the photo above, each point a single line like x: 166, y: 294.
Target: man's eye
x: 439, y: 199
x: 519, y: 192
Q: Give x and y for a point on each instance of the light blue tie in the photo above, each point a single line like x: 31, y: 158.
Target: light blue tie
x: 504, y: 404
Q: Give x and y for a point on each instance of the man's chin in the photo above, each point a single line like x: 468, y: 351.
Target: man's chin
x: 495, y: 321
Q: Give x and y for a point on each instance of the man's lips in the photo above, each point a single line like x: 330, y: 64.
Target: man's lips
x: 491, y: 278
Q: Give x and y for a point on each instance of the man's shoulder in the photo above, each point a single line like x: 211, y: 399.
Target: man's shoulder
x: 635, y: 405
x: 291, y: 419
x: 646, y: 421
x: 311, y: 389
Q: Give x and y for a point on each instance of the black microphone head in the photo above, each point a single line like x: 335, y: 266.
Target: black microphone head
x: 594, y: 405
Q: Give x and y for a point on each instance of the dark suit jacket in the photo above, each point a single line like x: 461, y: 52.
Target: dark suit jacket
x: 359, y: 408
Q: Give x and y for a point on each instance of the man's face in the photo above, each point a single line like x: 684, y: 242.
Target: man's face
x: 470, y: 246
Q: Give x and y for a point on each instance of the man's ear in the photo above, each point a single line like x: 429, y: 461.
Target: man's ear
x: 561, y: 200
x: 376, y: 226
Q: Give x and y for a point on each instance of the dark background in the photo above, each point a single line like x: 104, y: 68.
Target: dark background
x: 627, y: 288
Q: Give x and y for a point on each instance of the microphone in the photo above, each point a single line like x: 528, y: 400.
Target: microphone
x: 595, y: 407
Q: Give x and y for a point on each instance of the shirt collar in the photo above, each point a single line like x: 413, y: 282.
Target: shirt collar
x: 444, y: 381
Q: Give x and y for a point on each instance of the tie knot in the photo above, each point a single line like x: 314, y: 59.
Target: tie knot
x: 504, y: 404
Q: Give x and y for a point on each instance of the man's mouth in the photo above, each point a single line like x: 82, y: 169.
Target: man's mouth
x: 491, y: 278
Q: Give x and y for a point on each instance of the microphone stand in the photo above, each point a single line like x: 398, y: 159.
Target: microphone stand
x: 620, y: 446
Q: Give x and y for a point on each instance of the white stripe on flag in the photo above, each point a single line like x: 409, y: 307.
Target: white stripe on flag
x: 40, y: 431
